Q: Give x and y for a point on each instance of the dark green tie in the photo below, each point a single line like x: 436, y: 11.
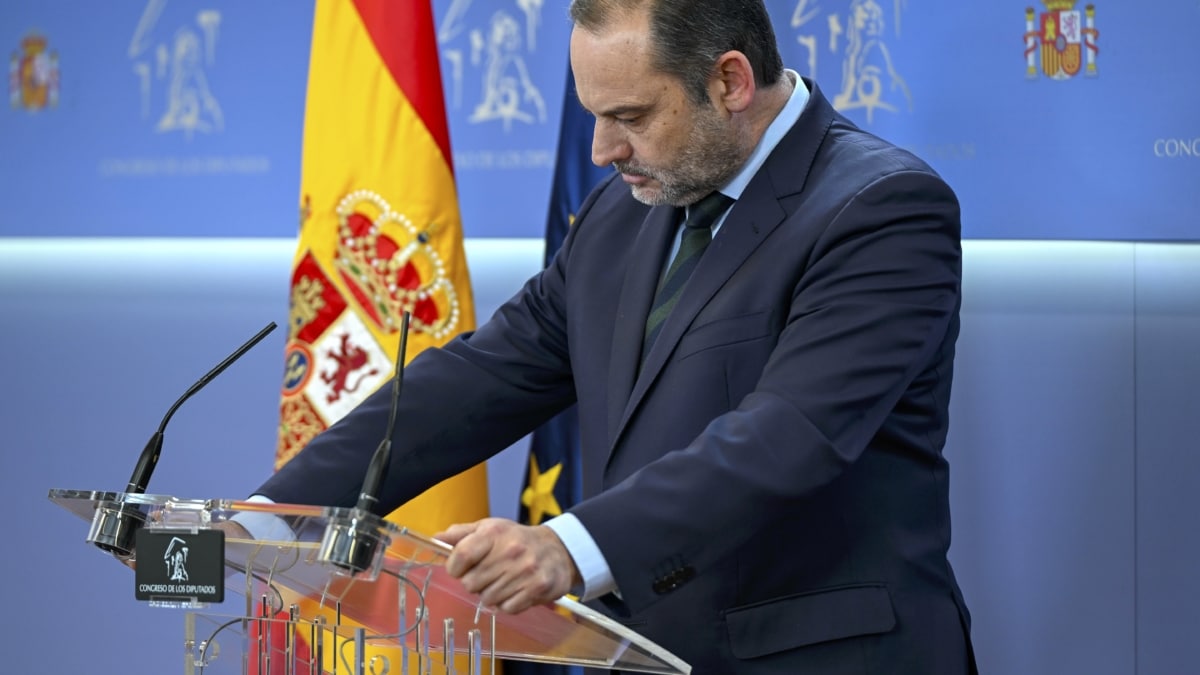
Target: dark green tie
x: 697, y: 233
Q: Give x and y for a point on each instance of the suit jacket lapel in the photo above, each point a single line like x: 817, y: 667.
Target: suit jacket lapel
x: 637, y: 292
x: 742, y: 232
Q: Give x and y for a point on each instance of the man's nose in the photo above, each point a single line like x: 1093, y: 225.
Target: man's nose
x: 608, y: 144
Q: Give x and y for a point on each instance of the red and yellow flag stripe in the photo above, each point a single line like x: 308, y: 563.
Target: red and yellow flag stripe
x: 380, y: 230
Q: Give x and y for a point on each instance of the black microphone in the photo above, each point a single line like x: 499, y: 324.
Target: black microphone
x: 149, y: 459
x: 114, y: 526
x: 350, y: 543
x: 379, y: 461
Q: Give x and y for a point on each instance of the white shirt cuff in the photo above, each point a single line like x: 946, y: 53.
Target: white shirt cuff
x: 597, y: 577
x: 264, y: 526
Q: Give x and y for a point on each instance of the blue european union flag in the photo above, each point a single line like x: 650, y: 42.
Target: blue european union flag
x: 574, y: 173
x: 553, y: 482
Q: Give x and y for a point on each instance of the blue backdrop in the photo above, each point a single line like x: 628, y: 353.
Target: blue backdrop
x: 184, y: 118
x: 1075, y: 491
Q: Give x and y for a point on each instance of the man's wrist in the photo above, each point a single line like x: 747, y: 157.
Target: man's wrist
x: 595, y: 578
x: 263, y: 526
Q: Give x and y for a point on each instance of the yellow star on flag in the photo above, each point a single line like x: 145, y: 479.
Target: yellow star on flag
x: 538, y: 496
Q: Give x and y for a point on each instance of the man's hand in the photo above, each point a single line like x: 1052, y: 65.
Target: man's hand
x: 233, y: 530
x: 511, y: 567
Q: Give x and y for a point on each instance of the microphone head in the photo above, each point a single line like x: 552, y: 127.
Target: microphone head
x: 354, y: 544
x: 114, y: 527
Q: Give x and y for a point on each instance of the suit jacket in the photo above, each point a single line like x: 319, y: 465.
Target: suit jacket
x: 768, y: 488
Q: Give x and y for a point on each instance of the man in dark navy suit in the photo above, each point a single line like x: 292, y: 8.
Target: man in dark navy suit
x: 756, y: 316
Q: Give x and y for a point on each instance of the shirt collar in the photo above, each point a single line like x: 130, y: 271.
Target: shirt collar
x: 779, y: 127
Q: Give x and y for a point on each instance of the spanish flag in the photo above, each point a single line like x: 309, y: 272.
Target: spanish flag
x: 380, y: 231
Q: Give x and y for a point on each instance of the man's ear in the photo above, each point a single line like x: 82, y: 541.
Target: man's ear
x: 733, y: 84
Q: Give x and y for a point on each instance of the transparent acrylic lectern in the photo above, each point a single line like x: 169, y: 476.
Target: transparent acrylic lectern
x: 404, y: 614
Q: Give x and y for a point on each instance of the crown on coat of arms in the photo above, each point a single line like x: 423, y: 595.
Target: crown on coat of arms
x: 1059, y: 5
x: 34, y: 44
x: 389, y: 277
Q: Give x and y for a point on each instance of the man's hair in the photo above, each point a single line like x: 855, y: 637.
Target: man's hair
x: 688, y: 36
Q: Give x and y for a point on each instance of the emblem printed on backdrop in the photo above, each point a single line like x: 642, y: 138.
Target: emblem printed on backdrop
x: 1061, y: 41
x: 171, y: 59
x: 33, y: 74
x: 851, y: 53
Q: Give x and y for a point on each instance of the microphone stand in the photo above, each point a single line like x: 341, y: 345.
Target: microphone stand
x: 115, y: 524
x: 352, y: 542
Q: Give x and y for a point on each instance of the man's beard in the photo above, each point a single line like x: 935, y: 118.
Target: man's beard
x: 711, y: 156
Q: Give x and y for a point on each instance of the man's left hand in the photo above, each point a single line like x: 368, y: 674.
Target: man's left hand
x: 511, y: 567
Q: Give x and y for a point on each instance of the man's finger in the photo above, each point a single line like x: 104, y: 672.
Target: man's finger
x: 468, y: 552
x: 455, y: 533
